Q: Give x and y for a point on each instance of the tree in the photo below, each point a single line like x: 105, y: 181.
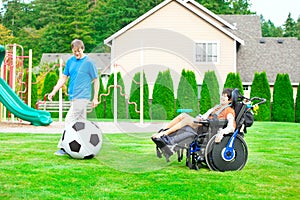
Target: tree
x: 239, y: 7
x: 100, y: 109
x: 290, y: 29
x: 205, y: 99
x: 211, y: 80
x: 283, y: 101
x: 233, y: 80
x: 49, y: 83
x: 135, y: 97
x: 269, y: 29
x: 297, y: 106
x: 121, y: 104
x: 187, y: 93
x: 261, y: 88
x: 163, y: 97
x: 5, y: 35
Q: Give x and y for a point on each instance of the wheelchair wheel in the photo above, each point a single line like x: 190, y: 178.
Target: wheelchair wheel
x: 216, y: 161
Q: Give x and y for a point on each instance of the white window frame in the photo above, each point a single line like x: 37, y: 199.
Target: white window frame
x: 214, y: 53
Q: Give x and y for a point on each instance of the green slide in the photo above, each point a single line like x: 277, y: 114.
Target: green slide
x: 16, y: 106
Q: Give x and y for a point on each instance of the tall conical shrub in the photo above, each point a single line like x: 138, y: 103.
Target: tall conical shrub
x: 283, y: 101
x: 121, y: 104
x: 261, y: 88
x: 205, y: 100
x: 233, y: 80
x: 187, y: 93
x: 100, y: 109
x: 297, y: 108
x: 211, y: 80
x: 163, y: 97
x: 135, y: 97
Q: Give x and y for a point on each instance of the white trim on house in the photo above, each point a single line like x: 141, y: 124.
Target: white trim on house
x: 212, y: 14
x: 184, y: 3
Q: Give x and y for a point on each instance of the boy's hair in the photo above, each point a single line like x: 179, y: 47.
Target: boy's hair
x: 228, y: 91
x: 77, y: 44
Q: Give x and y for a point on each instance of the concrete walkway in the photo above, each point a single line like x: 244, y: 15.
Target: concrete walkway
x: 58, y: 127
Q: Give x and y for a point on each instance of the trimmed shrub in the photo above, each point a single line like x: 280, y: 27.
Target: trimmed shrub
x: 211, y: 80
x: 297, y: 108
x: 100, y: 109
x: 135, y: 97
x: 233, y: 80
x: 283, y: 102
x: 163, y: 97
x: 49, y: 83
x: 187, y: 94
x: 121, y: 104
x: 205, y: 99
x: 261, y: 88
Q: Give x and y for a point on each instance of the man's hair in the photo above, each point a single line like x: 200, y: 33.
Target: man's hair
x: 77, y: 44
x: 228, y: 91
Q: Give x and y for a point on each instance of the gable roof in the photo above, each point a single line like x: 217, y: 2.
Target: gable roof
x: 192, y: 6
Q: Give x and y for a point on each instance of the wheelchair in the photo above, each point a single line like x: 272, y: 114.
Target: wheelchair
x: 201, y: 149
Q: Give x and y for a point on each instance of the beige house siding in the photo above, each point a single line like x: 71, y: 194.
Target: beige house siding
x: 166, y: 39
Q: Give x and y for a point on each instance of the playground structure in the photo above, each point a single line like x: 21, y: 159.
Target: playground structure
x: 11, y: 73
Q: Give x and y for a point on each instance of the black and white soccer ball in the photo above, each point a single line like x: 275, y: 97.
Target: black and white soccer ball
x: 82, y: 139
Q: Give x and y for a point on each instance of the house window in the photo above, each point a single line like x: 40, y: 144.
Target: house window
x: 207, y: 52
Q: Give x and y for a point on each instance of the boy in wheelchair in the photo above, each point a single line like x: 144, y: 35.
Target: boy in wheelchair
x: 183, y: 128
x: 182, y: 120
x: 215, y: 139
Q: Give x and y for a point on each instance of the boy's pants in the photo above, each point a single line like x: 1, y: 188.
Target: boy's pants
x: 76, y: 112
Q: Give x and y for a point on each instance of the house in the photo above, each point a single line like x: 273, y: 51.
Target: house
x: 182, y: 34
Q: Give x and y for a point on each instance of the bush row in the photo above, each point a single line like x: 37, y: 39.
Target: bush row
x: 163, y: 104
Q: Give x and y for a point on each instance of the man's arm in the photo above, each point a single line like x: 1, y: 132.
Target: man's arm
x: 96, y: 91
x: 58, y: 85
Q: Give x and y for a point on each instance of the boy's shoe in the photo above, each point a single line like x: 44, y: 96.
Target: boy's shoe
x: 60, y: 152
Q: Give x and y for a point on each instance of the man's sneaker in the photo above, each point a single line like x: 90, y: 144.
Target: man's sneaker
x: 60, y: 152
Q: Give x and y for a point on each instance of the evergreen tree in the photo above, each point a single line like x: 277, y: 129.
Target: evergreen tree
x: 261, y: 88
x: 100, y: 109
x: 135, y: 97
x: 290, y: 29
x: 283, y: 102
x: 211, y: 80
x: 121, y: 104
x: 49, y: 83
x: 205, y: 99
x: 297, y: 106
x: 163, y: 97
x: 233, y: 80
x: 187, y: 93
x: 269, y: 29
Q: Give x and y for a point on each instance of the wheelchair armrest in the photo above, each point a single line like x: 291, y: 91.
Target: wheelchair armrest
x: 203, y: 122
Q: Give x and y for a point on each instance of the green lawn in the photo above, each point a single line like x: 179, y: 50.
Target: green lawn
x: 127, y: 168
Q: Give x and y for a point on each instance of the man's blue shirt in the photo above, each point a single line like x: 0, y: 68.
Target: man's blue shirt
x: 81, y: 72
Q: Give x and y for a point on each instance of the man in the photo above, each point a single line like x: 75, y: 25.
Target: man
x: 82, y: 73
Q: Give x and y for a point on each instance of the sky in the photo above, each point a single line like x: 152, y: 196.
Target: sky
x: 276, y: 10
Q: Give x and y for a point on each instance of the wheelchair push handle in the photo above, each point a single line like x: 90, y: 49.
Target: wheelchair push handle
x: 261, y: 100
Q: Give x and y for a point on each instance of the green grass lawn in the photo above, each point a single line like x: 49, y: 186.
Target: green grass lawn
x: 127, y: 168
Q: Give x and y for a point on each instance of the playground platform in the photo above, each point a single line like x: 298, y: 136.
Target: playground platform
x: 58, y: 127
